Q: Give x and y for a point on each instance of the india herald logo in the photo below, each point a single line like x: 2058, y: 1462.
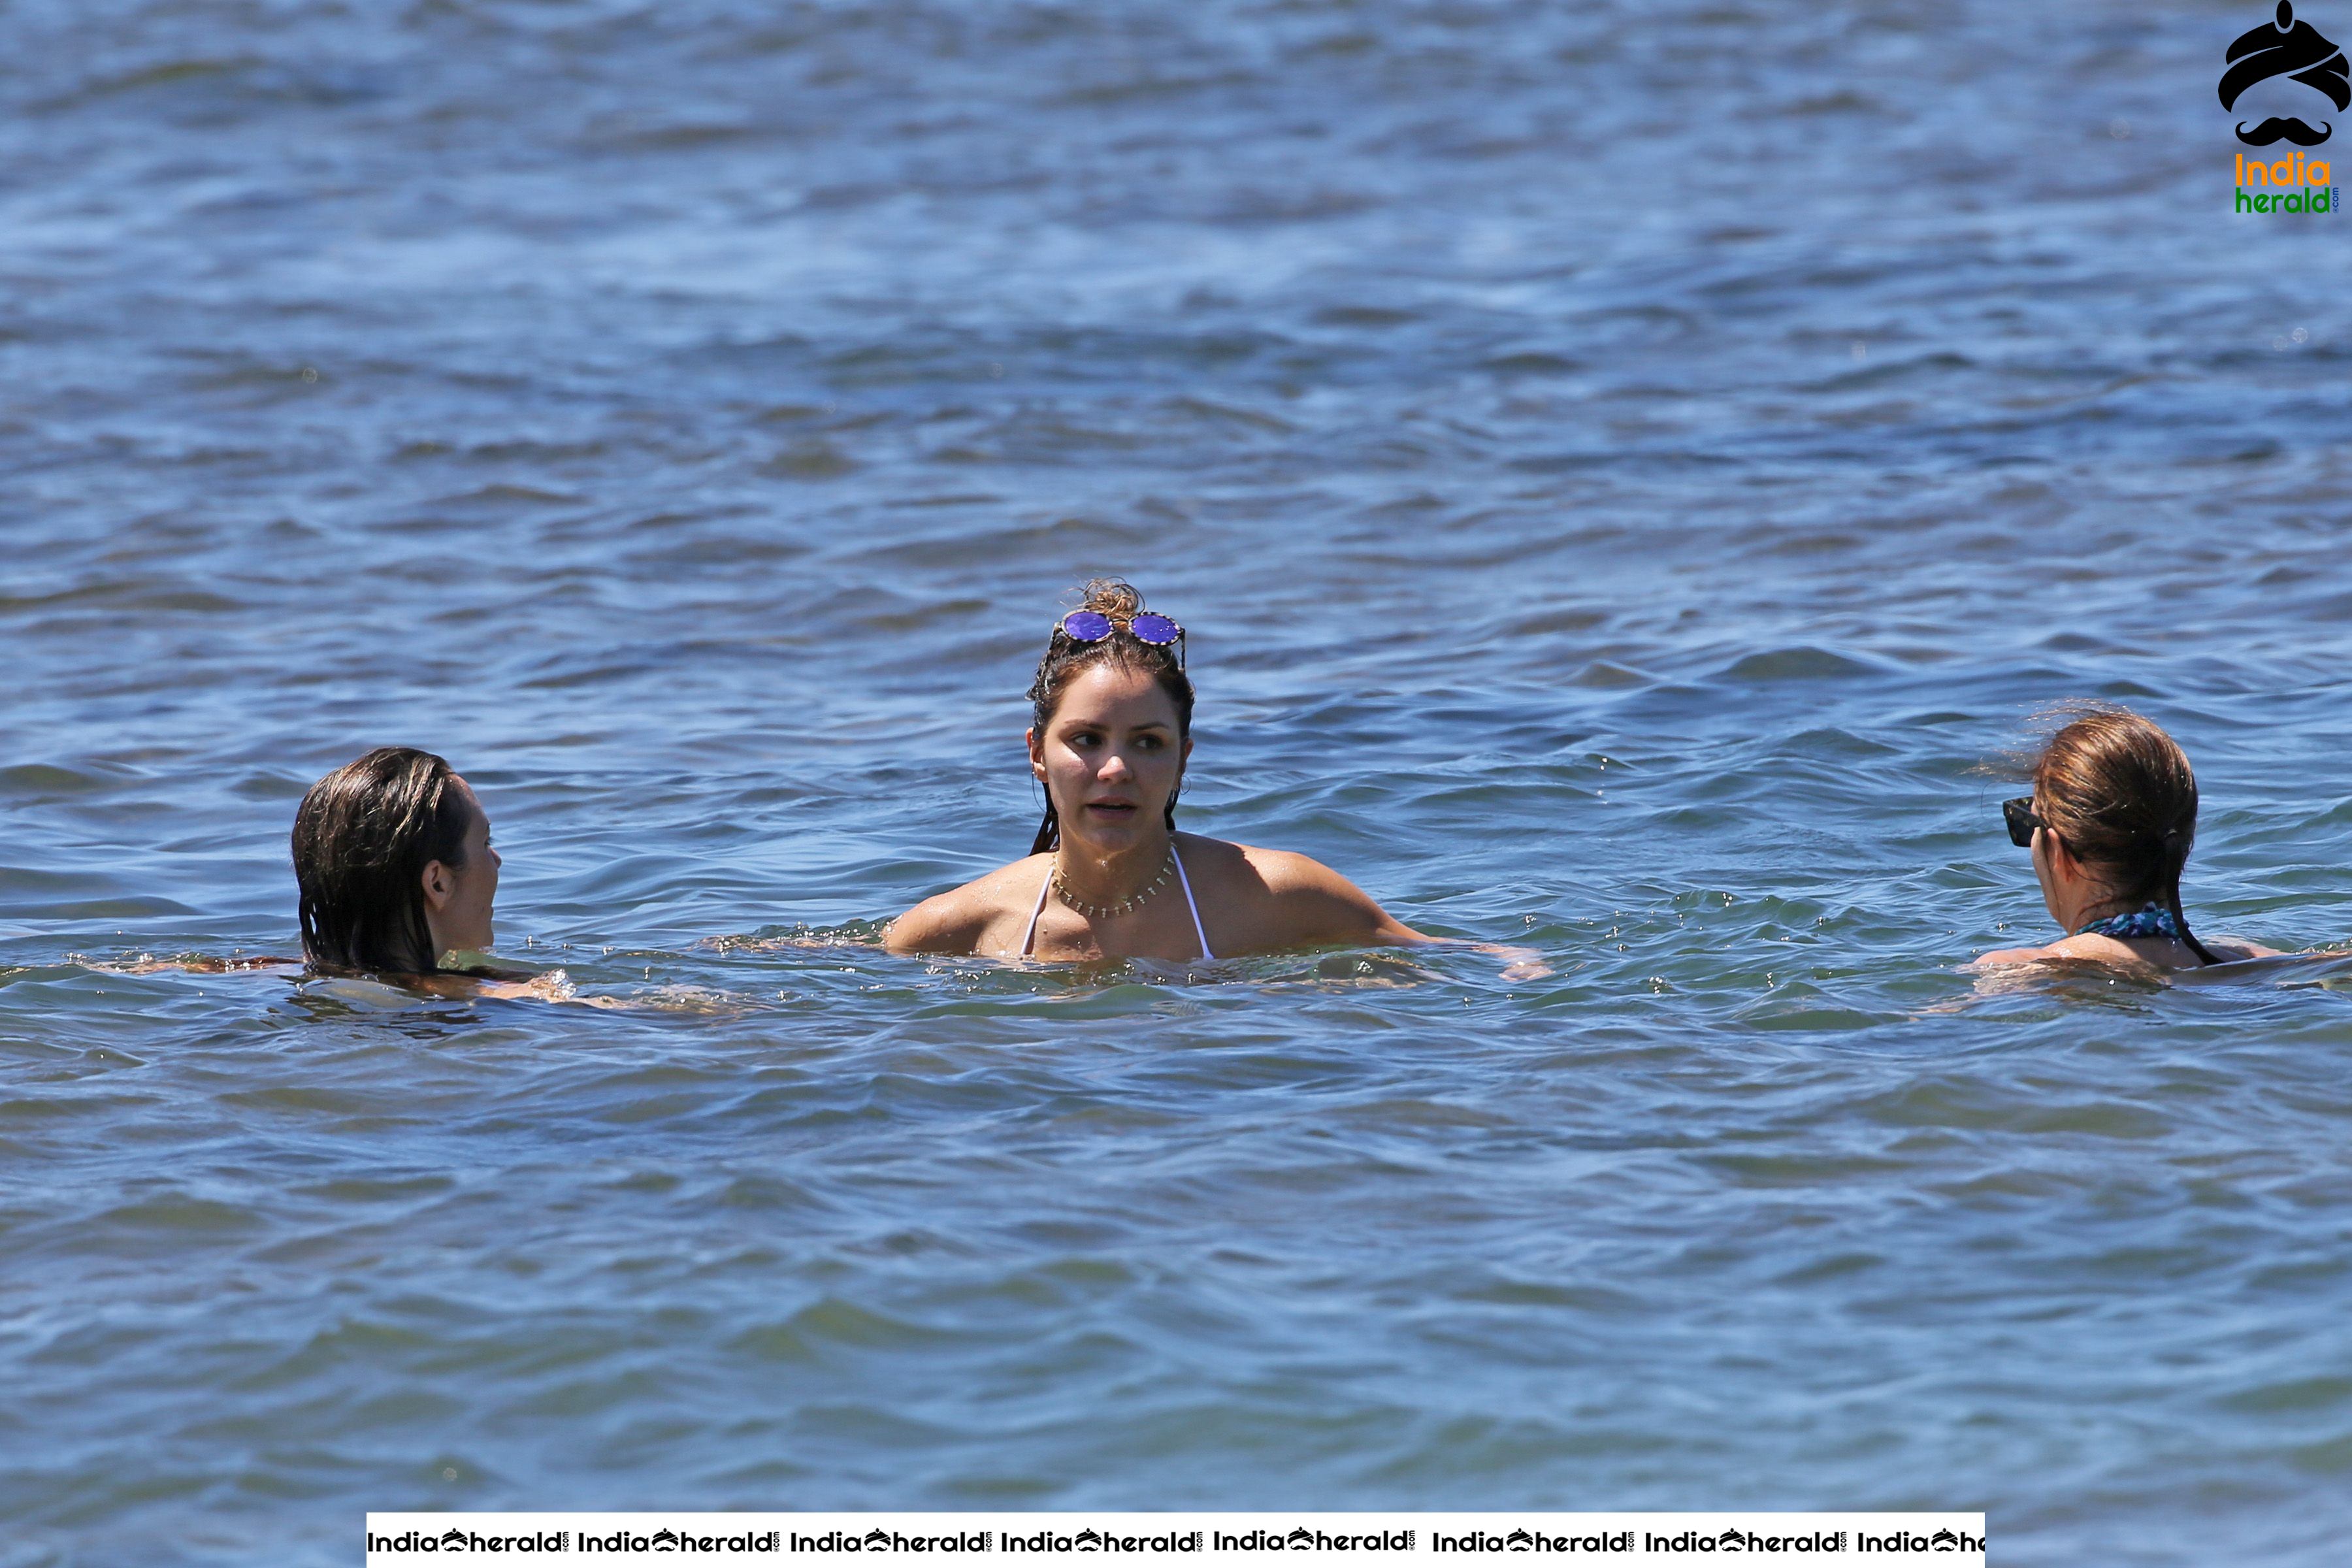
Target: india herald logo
x: 2298, y: 51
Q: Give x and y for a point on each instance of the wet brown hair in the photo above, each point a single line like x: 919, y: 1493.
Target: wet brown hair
x: 1065, y: 660
x: 362, y: 838
x: 2119, y: 792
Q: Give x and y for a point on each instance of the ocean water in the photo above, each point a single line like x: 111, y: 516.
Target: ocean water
x: 1627, y: 470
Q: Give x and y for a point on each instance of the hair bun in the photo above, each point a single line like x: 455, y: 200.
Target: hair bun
x: 1112, y: 596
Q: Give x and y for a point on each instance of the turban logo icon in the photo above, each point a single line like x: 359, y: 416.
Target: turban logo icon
x: 2298, y: 51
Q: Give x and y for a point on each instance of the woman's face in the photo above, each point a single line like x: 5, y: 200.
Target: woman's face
x: 1112, y: 757
x: 457, y: 898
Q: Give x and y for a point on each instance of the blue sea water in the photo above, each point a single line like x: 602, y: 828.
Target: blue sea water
x: 1625, y: 469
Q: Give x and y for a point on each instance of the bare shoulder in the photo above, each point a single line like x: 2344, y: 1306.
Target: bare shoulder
x: 1287, y: 871
x: 2098, y: 950
x: 2095, y: 949
x: 1305, y: 900
x: 2001, y: 955
x: 960, y: 920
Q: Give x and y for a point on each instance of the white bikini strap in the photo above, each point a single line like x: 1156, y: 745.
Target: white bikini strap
x: 1030, y: 934
x: 1206, y: 956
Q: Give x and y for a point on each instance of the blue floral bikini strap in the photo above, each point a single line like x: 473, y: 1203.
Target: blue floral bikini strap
x: 2151, y: 920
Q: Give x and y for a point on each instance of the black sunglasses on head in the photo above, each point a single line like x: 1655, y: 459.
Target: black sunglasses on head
x: 2019, y: 815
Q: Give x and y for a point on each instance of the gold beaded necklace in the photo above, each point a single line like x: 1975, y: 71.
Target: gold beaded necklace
x: 1112, y: 911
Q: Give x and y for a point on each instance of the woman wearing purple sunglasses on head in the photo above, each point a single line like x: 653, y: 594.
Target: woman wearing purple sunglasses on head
x: 1108, y: 876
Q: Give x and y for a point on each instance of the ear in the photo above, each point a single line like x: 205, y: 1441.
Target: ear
x: 1037, y: 752
x: 439, y: 886
x: 2063, y: 867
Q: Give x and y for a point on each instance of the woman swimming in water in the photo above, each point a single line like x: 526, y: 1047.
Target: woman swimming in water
x: 2110, y: 822
x: 1108, y: 875
x: 393, y: 858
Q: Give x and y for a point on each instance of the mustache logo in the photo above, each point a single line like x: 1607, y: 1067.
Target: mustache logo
x: 2287, y: 130
x: 2298, y: 51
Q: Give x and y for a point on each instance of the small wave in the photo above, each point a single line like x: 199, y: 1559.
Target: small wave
x: 32, y: 781
x: 1803, y: 662
x: 866, y: 933
x: 169, y: 73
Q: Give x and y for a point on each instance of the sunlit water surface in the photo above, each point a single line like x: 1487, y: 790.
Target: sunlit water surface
x: 1625, y: 469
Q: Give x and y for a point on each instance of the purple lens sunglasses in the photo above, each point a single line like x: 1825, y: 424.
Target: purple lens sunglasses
x: 1093, y: 626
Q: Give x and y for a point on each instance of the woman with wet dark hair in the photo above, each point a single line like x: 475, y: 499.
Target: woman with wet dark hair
x: 1107, y: 875
x: 393, y: 858
x: 2110, y: 822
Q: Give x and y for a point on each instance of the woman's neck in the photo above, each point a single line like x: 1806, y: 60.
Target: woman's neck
x: 1105, y: 876
x: 2097, y: 904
